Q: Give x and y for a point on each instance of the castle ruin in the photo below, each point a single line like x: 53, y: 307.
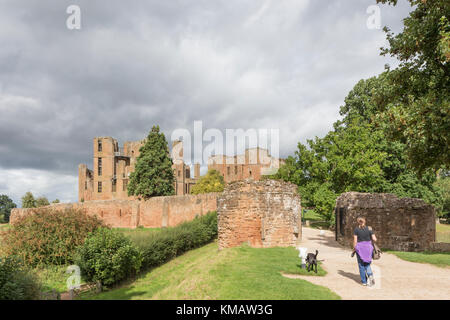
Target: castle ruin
x: 112, y: 167
x: 253, y: 164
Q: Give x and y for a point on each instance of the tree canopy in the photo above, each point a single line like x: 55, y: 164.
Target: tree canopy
x: 28, y: 200
x: 42, y: 202
x: 6, y: 204
x: 355, y: 156
x: 211, y: 182
x: 153, y: 174
x: 417, y: 111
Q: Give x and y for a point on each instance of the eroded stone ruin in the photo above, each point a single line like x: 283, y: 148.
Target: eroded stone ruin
x: 404, y: 224
x: 264, y: 213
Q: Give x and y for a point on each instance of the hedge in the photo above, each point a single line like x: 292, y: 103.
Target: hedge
x: 160, y: 247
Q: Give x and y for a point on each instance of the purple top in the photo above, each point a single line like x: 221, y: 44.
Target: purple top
x: 364, y: 250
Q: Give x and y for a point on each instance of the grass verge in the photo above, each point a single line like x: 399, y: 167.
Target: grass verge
x: 438, y: 259
x: 316, y: 221
x: 235, y: 273
x: 443, y: 232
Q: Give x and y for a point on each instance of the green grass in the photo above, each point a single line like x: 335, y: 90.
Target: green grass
x: 138, y: 234
x: 53, y: 278
x: 236, y: 273
x: 315, y: 220
x: 311, y: 215
x: 443, y: 232
x: 438, y: 259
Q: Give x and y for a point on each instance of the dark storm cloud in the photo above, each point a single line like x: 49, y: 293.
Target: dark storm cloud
x: 232, y: 64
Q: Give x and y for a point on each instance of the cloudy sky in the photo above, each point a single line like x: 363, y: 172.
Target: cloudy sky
x: 282, y: 64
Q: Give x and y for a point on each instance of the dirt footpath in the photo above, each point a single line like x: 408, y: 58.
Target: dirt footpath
x: 395, y: 278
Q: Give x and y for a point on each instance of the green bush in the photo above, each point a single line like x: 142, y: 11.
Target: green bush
x: 160, y: 247
x: 16, y: 283
x: 108, y: 256
x: 48, y: 237
x: 325, y: 199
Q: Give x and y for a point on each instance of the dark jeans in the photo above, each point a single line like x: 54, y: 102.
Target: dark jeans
x: 364, y: 269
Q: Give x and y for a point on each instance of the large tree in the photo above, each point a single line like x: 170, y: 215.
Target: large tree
x: 28, y: 200
x: 153, y: 174
x: 42, y: 202
x: 418, y: 110
x: 6, y: 204
x: 356, y: 156
x: 346, y: 159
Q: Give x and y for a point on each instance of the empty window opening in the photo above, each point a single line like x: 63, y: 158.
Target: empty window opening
x: 99, y: 166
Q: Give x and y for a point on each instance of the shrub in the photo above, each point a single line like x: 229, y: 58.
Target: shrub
x: 48, y: 236
x: 108, y: 256
x: 16, y: 283
x: 324, y: 200
x: 160, y: 247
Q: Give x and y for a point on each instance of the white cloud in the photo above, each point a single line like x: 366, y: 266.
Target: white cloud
x: 15, y: 183
x: 285, y: 64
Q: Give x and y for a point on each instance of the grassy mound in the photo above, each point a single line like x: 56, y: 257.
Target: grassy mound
x: 235, y: 273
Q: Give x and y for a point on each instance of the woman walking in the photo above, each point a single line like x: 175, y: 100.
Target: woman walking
x: 362, y: 244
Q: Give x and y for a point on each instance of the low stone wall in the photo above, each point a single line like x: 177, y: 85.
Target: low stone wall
x: 405, y: 224
x: 263, y: 213
x: 153, y: 213
x: 440, y: 247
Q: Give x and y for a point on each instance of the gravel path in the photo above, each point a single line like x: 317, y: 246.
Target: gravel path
x: 395, y: 278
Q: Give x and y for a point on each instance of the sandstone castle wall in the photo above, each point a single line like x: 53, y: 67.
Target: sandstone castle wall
x: 156, y: 212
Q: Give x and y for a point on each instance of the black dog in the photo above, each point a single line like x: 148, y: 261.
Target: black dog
x: 311, y: 260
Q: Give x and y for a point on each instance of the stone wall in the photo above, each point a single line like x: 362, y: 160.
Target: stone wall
x: 440, y: 247
x: 153, y: 213
x: 399, y: 224
x: 264, y: 213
